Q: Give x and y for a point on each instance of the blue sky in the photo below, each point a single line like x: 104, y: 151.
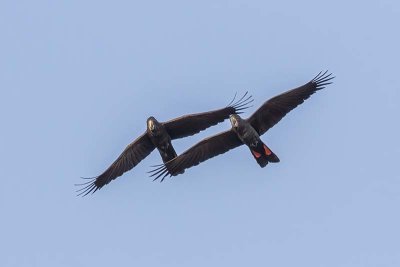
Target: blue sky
x: 79, y: 78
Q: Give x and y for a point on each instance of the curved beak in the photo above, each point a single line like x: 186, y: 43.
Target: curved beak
x: 151, y: 125
x: 234, y: 121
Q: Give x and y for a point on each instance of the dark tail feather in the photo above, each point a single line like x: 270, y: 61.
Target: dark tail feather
x: 271, y: 157
x: 168, y: 155
x: 260, y: 158
x: 263, y: 155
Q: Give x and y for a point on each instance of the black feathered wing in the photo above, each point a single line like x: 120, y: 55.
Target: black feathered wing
x: 202, y: 151
x: 273, y: 110
x: 130, y: 157
x: 194, y: 123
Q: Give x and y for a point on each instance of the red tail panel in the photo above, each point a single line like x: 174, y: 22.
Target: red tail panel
x: 267, y: 150
x: 256, y: 154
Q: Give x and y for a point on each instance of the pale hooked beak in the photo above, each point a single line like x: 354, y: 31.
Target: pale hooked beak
x: 234, y: 121
x: 151, y: 125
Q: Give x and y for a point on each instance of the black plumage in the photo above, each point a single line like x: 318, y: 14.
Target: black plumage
x: 159, y: 135
x: 245, y: 131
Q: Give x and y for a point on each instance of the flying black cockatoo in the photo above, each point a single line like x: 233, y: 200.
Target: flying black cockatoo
x: 245, y: 131
x: 159, y: 135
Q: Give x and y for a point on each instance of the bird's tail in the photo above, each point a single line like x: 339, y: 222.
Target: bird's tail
x: 263, y: 155
x: 168, y: 155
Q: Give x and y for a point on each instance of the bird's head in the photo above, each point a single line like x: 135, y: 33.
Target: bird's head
x: 235, y: 121
x: 152, y: 125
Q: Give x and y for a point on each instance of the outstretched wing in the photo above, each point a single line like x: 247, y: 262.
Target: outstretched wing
x: 191, y: 124
x: 130, y: 157
x: 273, y: 110
x: 202, y: 151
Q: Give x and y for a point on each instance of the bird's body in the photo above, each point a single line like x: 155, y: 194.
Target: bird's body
x: 250, y: 137
x: 161, y: 139
x: 245, y: 131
